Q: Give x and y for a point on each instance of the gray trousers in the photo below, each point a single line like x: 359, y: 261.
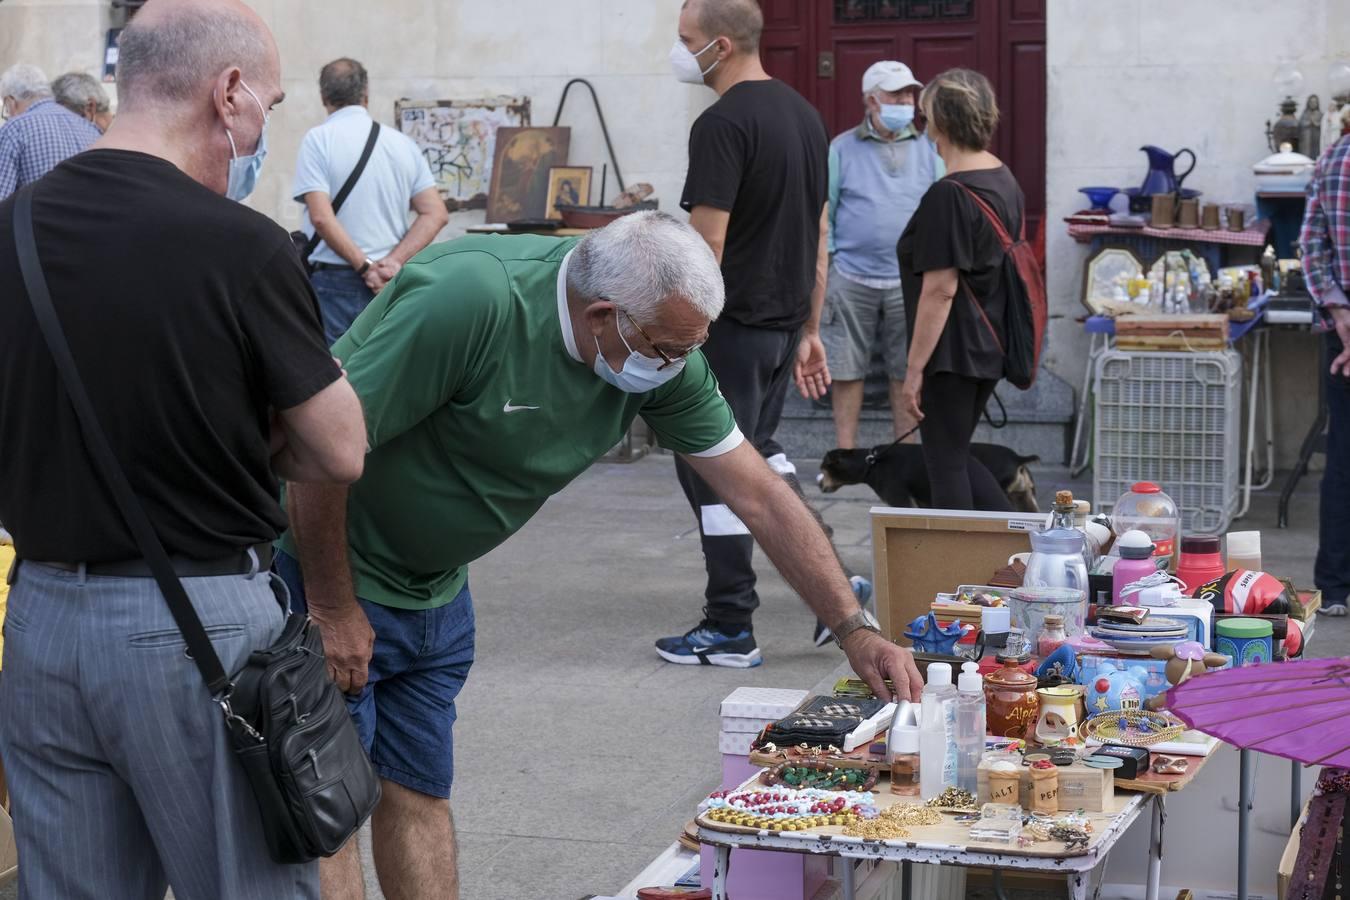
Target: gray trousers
x: 120, y: 772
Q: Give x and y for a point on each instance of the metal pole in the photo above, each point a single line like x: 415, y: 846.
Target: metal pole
x: 1244, y: 815
x: 1295, y: 793
x: 720, y: 873
x: 1155, y: 849
x: 849, y: 889
x: 906, y: 879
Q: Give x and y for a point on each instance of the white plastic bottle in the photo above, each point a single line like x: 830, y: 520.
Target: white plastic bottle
x: 970, y: 726
x: 937, y: 732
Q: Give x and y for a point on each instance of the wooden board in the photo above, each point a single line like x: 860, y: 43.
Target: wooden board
x: 919, y: 553
x: 1153, y: 783
x: 948, y: 833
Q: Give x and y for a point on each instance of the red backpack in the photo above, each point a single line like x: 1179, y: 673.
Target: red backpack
x: 1024, y: 321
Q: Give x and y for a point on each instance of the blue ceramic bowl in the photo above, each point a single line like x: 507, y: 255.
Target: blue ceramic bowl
x: 1100, y: 196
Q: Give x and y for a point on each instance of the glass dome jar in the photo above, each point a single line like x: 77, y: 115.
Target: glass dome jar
x: 1144, y: 507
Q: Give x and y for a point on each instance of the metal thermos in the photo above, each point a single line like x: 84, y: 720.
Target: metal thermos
x: 1057, y: 560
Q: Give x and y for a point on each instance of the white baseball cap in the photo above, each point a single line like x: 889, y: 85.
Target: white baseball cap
x: 888, y: 75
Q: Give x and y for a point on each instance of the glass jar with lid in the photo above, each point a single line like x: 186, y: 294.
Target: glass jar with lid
x: 1144, y: 507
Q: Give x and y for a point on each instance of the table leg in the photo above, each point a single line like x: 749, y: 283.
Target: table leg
x: 720, y: 868
x: 906, y: 879
x: 1080, y: 885
x: 1311, y: 440
x: 850, y: 889
x: 1253, y: 398
x: 996, y: 881
x: 1295, y: 793
x: 1155, y: 848
x: 1267, y: 391
x: 1244, y: 818
x: 1084, y: 409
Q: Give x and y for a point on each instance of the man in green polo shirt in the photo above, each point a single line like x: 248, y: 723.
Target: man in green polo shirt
x: 493, y: 371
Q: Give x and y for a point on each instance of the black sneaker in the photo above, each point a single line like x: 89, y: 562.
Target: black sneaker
x: 705, y: 645
x: 862, y: 589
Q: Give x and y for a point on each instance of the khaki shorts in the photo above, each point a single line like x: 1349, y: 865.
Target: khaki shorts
x: 854, y: 319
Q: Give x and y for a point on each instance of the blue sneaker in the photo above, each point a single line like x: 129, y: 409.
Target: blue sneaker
x: 862, y: 589
x: 704, y: 645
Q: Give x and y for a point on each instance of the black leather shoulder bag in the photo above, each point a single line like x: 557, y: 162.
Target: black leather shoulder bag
x: 287, y: 721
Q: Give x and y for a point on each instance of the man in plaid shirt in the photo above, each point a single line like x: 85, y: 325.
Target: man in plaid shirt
x: 40, y: 132
x: 1326, y: 264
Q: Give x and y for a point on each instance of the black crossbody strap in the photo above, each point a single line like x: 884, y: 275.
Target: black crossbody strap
x: 346, y: 188
x: 199, y: 645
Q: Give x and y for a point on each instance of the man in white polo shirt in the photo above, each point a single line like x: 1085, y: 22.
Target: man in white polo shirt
x: 366, y: 242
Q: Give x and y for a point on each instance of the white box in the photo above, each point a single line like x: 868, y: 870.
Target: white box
x: 761, y: 703
x: 736, y: 744
x: 1190, y: 610
x: 740, y: 725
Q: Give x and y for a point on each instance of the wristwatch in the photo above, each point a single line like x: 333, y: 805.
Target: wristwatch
x: 365, y: 267
x: 860, y: 619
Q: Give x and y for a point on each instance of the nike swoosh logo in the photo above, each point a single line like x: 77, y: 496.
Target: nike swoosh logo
x: 508, y: 408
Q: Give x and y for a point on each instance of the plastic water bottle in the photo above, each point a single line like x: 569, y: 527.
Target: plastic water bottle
x: 970, y: 726
x: 937, y: 732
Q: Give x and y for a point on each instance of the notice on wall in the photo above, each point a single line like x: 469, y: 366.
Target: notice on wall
x: 457, y: 137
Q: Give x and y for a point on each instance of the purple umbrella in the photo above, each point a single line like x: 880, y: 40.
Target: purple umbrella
x: 1299, y: 709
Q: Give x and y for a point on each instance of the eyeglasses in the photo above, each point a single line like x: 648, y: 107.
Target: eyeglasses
x: 667, y: 359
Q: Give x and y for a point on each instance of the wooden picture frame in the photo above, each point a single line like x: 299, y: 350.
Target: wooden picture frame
x: 567, y: 186
x: 521, y: 160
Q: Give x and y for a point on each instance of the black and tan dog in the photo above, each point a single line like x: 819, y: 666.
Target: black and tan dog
x: 897, y: 473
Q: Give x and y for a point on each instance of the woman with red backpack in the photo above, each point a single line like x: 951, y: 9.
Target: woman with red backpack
x: 974, y: 298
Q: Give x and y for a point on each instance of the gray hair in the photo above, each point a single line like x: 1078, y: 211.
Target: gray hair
x: 343, y: 82
x: 24, y: 83
x: 641, y: 260
x: 170, y: 59
x: 76, y: 90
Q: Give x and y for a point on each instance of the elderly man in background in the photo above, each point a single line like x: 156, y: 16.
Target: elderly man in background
x: 493, y: 371
x: 368, y: 240
x: 83, y: 94
x: 1326, y: 262
x: 39, y: 132
x: 211, y: 379
x: 878, y: 173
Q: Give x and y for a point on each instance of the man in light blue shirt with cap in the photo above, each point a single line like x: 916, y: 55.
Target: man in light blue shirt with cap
x: 878, y: 173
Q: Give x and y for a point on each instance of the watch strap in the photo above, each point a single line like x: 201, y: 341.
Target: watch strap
x: 365, y: 267
x: 859, y: 619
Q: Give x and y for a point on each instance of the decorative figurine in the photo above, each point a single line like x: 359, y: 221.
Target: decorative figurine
x: 1310, y: 128
x: 930, y: 637
x: 1284, y: 130
x: 1114, y: 689
x: 1183, y: 660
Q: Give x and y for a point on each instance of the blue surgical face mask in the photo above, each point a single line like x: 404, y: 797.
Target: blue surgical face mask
x: 244, y: 169
x: 639, y: 373
x: 896, y: 116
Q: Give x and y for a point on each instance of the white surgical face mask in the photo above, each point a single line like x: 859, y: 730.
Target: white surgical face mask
x: 639, y: 373
x: 685, y: 64
x: 244, y: 169
x: 896, y: 116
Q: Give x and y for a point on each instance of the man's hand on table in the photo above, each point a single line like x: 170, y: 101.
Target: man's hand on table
x: 876, y: 659
x: 1341, y: 316
x: 348, y: 642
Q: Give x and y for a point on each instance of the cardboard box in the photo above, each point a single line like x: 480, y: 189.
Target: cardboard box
x: 1285, y: 873
x: 761, y: 703
x: 738, y: 744
x: 739, y: 725
x: 920, y: 553
x: 9, y: 852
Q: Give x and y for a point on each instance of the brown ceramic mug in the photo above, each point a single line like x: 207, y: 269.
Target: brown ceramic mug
x: 1189, y: 214
x: 1164, y: 210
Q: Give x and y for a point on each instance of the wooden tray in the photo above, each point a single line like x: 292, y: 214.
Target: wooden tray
x: 948, y: 833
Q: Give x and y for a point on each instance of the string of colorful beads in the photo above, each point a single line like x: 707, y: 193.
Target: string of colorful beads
x: 788, y: 810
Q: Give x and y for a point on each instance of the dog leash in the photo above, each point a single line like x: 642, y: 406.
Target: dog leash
x: 874, y: 454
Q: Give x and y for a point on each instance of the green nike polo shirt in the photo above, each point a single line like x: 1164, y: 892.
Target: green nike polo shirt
x: 478, y: 409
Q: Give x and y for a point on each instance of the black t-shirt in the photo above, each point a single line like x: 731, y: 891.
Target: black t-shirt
x: 190, y: 317
x: 761, y: 153
x: 948, y: 231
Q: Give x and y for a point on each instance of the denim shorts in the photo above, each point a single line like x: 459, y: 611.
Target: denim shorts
x: 406, y: 711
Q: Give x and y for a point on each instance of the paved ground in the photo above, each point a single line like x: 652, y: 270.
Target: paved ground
x: 580, y: 754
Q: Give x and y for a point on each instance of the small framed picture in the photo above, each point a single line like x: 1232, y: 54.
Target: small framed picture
x: 567, y: 186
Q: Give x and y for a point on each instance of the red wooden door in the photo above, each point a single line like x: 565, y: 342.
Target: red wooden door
x: 822, y: 48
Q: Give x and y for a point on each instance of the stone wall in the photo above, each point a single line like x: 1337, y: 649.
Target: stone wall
x: 1195, y: 74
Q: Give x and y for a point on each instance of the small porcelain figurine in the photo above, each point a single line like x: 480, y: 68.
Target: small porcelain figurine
x: 1184, y: 660
x: 1114, y: 689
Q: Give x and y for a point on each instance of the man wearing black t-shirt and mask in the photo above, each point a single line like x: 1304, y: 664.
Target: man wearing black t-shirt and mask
x: 756, y: 191
x: 197, y: 337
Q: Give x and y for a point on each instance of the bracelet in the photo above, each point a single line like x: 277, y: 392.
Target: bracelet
x: 366, y: 266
